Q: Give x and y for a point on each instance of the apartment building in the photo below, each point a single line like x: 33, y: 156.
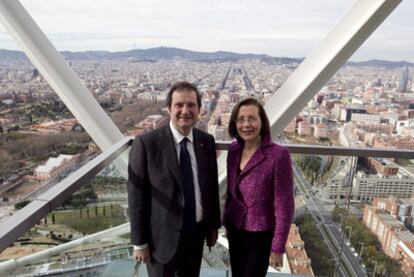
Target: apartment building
x: 402, y: 209
x: 396, y: 241
x: 299, y: 261
x: 367, y: 186
x: 305, y: 128
x: 55, y: 167
x: 380, y: 165
x: 338, y: 187
x: 321, y: 131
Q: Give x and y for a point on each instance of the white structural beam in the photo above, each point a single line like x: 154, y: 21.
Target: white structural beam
x: 342, y: 42
x: 361, y: 21
x: 351, y: 32
x: 59, y: 74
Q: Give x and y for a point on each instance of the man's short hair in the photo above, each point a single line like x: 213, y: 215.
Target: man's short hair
x: 182, y: 86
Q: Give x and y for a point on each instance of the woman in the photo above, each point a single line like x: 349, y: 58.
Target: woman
x: 260, y: 202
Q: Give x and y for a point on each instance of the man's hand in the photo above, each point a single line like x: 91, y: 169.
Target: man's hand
x: 276, y: 260
x: 142, y: 255
x: 211, y: 237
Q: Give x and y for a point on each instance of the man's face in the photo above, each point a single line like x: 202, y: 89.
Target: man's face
x: 184, y: 110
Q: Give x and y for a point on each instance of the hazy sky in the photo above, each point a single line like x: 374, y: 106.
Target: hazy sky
x: 274, y: 27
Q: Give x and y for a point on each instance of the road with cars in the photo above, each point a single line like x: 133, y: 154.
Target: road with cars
x: 329, y: 230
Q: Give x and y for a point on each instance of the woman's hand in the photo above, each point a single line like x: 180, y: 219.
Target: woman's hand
x: 276, y: 260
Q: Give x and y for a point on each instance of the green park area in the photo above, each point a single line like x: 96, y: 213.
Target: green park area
x: 315, y: 247
x: 362, y: 237
x: 89, y: 220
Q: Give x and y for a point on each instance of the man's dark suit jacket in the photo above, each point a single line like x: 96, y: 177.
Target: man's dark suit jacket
x: 155, y: 193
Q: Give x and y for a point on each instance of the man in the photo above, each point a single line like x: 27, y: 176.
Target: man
x: 173, y: 190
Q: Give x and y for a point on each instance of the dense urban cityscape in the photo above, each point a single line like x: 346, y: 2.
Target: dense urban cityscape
x: 363, y: 105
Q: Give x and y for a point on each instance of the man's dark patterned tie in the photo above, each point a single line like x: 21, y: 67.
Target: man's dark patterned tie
x: 188, y: 187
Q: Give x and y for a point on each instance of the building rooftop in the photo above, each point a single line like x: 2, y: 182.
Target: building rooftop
x: 406, y: 236
x: 299, y: 261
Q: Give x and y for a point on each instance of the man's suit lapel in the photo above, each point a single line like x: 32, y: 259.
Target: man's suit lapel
x: 170, y: 153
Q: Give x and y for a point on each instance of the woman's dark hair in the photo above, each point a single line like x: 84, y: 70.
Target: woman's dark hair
x: 265, y: 127
x: 182, y: 86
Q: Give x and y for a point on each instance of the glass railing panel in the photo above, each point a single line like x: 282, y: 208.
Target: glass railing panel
x: 380, y: 212
x: 47, y: 160
x: 91, y: 229
x: 87, y: 234
x: 40, y: 140
x: 89, y: 258
x: 345, y: 196
x: 321, y: 240
x: 62, y: 241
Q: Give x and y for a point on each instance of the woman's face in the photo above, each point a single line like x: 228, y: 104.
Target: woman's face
x: 248, y: 123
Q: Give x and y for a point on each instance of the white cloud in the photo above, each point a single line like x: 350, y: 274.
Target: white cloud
x: 293, y: 28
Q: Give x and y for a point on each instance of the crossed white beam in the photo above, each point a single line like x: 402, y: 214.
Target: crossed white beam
x: 360, y: 22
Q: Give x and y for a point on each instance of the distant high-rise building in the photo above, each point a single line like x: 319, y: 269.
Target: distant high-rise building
x: 35, y: 73
x: 402, y: 87
x: 346, y: 113
x: 379, y: 82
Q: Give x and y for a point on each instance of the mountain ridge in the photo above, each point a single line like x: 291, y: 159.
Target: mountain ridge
x: 170, y: 53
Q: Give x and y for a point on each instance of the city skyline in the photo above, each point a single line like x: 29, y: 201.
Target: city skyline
x: 208, y: 27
